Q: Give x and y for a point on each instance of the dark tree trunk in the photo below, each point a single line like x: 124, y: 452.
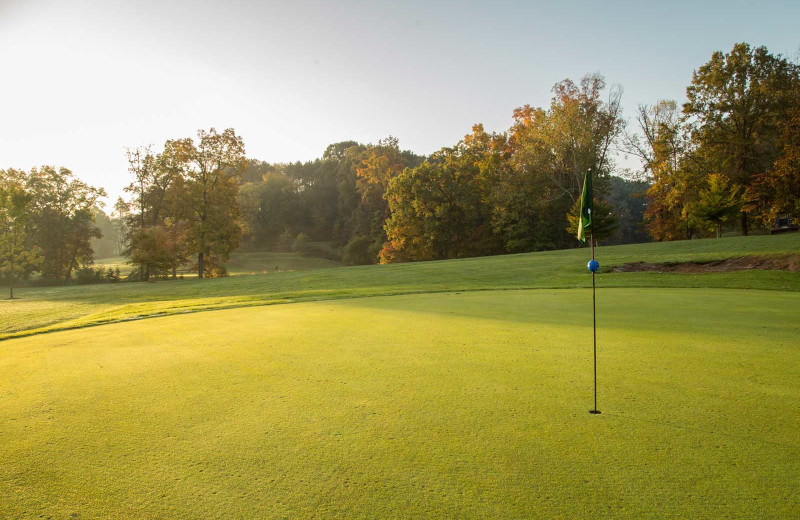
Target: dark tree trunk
x: 200, y: 265
x: 11, y: 273
x: 11, y: 279
x: 69, y: 270
x: 744, y: 223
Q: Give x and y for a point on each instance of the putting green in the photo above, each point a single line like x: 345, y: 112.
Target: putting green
x: 469, y: 405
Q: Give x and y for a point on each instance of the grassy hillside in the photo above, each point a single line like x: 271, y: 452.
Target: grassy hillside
x: 449, y: 405
x: 57, y: 308
x: 243, y: 262
x: 261, y: 262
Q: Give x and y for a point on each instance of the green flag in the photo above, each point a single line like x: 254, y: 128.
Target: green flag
x: 587, y: 204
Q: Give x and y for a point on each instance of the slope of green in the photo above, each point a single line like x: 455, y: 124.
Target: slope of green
x: 242, y: 262
x: 447, y: 405
x: 262, y: 262
x: 47, y: 309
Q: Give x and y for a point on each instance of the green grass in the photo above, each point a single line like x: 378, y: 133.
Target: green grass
x: 114, y: 262
x: 241, y: 262
x: 263, y: 262
x: 59, y: 308
x: 448, y: 405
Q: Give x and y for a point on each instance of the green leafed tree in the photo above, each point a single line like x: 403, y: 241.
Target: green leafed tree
x: 604, y: 220
x: 213, y: 166
x: 18, y: 258
x: 718, y: 203
x: 62, y: 209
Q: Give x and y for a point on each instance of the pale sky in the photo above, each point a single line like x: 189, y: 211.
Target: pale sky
x: 80, y: 80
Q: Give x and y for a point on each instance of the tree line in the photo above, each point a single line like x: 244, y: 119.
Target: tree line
x: 490, y: 193
x: 729, y: 154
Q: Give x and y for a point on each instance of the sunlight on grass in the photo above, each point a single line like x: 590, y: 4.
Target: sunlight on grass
x: 450, y: 406
x: 47, y: 309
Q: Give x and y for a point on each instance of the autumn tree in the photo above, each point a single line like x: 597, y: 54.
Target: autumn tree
x: 777, y: 191
x: 736, y: 102
x: 550, y: 151
x: 157, y: 201
x: 212, y: 167
x: 661, y: 143
x: 149, y: 249
x: 378, y: 165
x: 441, y: 209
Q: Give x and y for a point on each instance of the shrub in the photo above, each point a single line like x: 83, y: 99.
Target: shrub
x: 359, y: 251
x: 90, y: 275
x: 300, y: 242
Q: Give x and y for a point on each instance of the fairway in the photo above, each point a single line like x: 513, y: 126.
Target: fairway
x: 57, y: 308
x: 454, y: 405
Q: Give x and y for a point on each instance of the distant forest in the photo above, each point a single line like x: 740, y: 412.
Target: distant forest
x: 729, y: 158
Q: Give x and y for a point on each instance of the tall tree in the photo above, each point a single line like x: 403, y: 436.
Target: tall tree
x: 777, y: 191
x: 661, y: 143
x: 17, y: 257
x: 379, y: 164
x: 141, y: 165
x: 156, y: 187
x: 736, y: 102
x: 213, y: 167
x: 550, y: 151
x: 629, y: 199
x: 268, y: 208
x: 63, y: 215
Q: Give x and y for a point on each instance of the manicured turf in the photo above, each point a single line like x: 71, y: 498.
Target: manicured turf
x: 450, y: 405
x: 241, y: 262
x: 47, y: 309
x: 262, y: 262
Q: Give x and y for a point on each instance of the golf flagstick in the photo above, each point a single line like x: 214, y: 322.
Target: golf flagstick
x: 593, y: 268
x: 585, y: 223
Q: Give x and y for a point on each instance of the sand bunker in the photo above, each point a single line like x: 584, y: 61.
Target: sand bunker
x: 741, y: 263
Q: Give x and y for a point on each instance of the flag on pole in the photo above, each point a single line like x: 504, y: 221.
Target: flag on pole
x: 585, y: 223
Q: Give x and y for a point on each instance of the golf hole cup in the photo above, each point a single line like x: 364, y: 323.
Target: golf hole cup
x: 593, y: 265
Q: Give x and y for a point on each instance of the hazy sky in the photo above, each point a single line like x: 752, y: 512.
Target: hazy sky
x: 80, y: 80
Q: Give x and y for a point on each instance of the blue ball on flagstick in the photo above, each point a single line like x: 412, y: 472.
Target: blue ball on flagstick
x: 593, y: 265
